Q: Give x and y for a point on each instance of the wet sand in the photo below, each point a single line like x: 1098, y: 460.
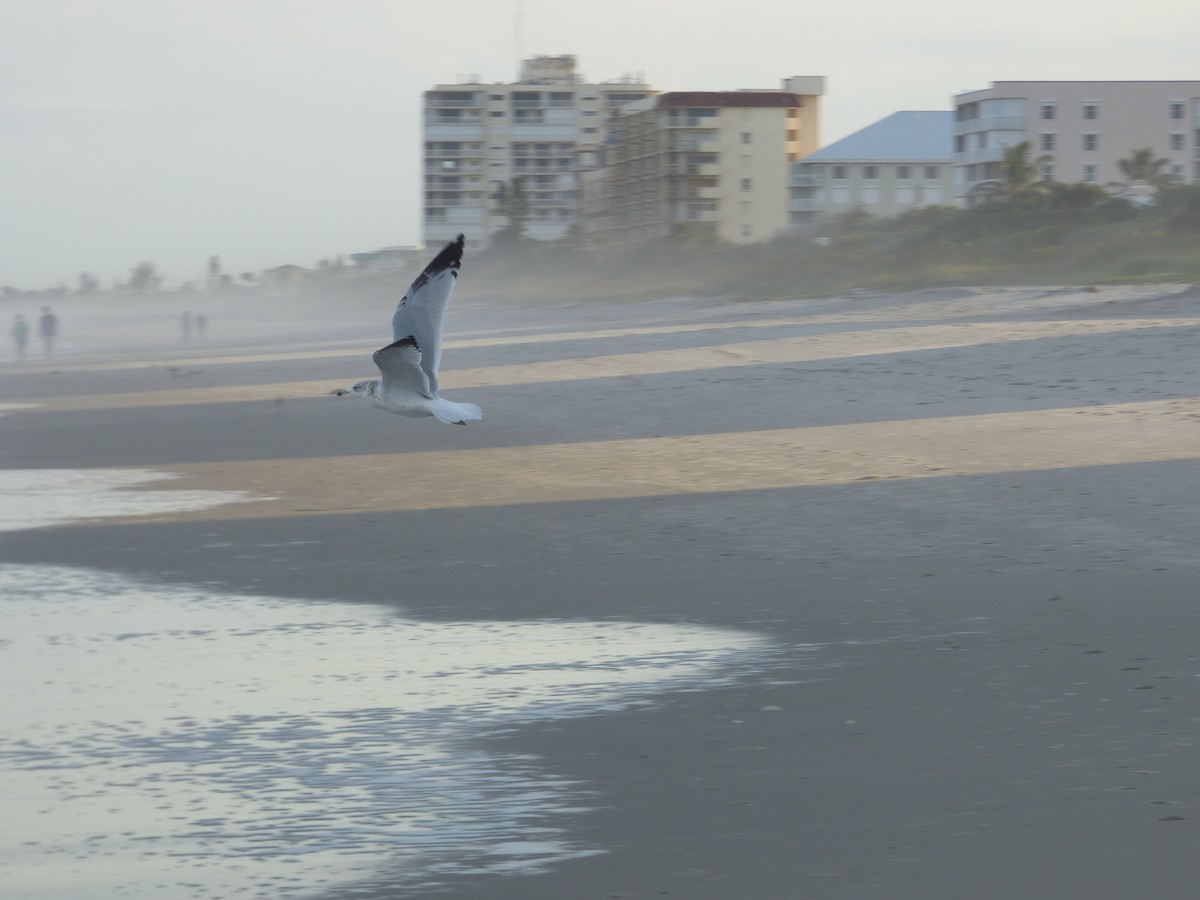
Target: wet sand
x: 967, y: 518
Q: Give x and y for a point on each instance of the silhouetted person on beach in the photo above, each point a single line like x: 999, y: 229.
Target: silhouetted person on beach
x: 185, y: 322
x: 48, y: 329
x: 20, y: 335
x: 201, y: 324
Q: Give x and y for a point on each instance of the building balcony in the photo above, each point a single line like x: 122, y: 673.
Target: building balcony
x: 987, y: 155
x: 682, y: 192
x: 563, y: 153
x: 990, y: 123
x: 438, y: 167
x: 695, y: 170
x: 696, y: 215
x: 459, y: 132
x: 806, y: 180
x: 433, y: 117
x: 554, y: 203
x: 452, y: 154
x: 433, y: 102
x: 696, y: 145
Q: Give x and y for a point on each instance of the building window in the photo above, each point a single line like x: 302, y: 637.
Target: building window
x: 1046, y: 142
x: 746, y: 184
x: 869, y: 172
x: 1177, y: 172
x: 1049, y: 111
x: 1177, y: 142
x: 902, y: 173
x: 496, y: 114
x: 746, y: 137
x: 1089, y: 174
x: 932, y: 173
x: 1047, y: 171
x: 1091, y: 110
x: 839, y: 171
x: 1091, y: 141
x: 1176, y: 109
x: 747, y: 231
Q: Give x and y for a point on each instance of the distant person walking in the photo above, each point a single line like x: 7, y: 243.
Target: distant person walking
x: 201, y: 324
x: 20, y: 335
x: 185, y: 322
x: 48, y: 329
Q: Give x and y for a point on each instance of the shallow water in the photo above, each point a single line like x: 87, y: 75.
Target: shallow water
x: 165, y: 740
x: 36, y: 498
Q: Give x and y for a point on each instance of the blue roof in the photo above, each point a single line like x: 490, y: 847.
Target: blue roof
x: 909, y: 135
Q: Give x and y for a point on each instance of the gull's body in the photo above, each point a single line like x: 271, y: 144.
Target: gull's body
x: 408, y: 366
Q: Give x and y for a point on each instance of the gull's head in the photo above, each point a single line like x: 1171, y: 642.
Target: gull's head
x: 360, y: 388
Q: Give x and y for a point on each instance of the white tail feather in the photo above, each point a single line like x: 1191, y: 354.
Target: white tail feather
x: 452, y: 413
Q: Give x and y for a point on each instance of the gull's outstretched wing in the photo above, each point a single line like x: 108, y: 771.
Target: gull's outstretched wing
x: 400, y: 367
x: 422, y: 309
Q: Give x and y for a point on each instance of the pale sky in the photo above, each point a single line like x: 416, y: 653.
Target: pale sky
x: 268, y: 132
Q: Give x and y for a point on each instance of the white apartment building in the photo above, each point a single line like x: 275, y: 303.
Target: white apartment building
x: 546, y: 129
x: 705, y: 161
x: 1084, y: 127
x: 902, y: 162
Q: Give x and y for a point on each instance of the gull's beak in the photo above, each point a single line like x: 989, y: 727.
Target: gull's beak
x: 339, y: 392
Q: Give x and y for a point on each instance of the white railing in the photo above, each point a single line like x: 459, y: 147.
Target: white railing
x: 990, y: 123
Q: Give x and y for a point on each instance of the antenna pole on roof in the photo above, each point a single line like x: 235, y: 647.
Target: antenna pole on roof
x: 517, y: 35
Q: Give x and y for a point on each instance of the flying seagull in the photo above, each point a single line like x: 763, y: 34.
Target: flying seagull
x: 409, y: 365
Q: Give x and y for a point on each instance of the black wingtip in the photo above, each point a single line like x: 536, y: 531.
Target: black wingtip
x: 450, y: 257
x: 409, y: 341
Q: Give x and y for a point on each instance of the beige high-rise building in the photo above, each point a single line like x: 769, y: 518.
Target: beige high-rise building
x: 711, y: 162
x: 545, y: 130
x: 1082, y: 128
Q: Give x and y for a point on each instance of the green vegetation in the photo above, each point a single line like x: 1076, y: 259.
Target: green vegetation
x: 1045, y: 233
x: 1030, y: 232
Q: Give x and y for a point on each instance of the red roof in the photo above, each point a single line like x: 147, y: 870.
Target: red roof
x: 770, y: 99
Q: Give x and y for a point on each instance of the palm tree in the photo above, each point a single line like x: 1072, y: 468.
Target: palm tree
x: 512, y: 203
x: 145, y: 278
x: 1142, y: 167
x: 1018, y: 173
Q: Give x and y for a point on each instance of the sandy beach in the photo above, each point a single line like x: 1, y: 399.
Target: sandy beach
x: 927, y: 565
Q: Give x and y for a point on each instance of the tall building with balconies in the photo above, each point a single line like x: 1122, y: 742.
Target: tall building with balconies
x: 712, y: 162
x: 1079, y: 130
x: 545, y: 130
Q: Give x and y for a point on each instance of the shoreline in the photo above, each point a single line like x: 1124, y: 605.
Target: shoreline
x: 988, y: 676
